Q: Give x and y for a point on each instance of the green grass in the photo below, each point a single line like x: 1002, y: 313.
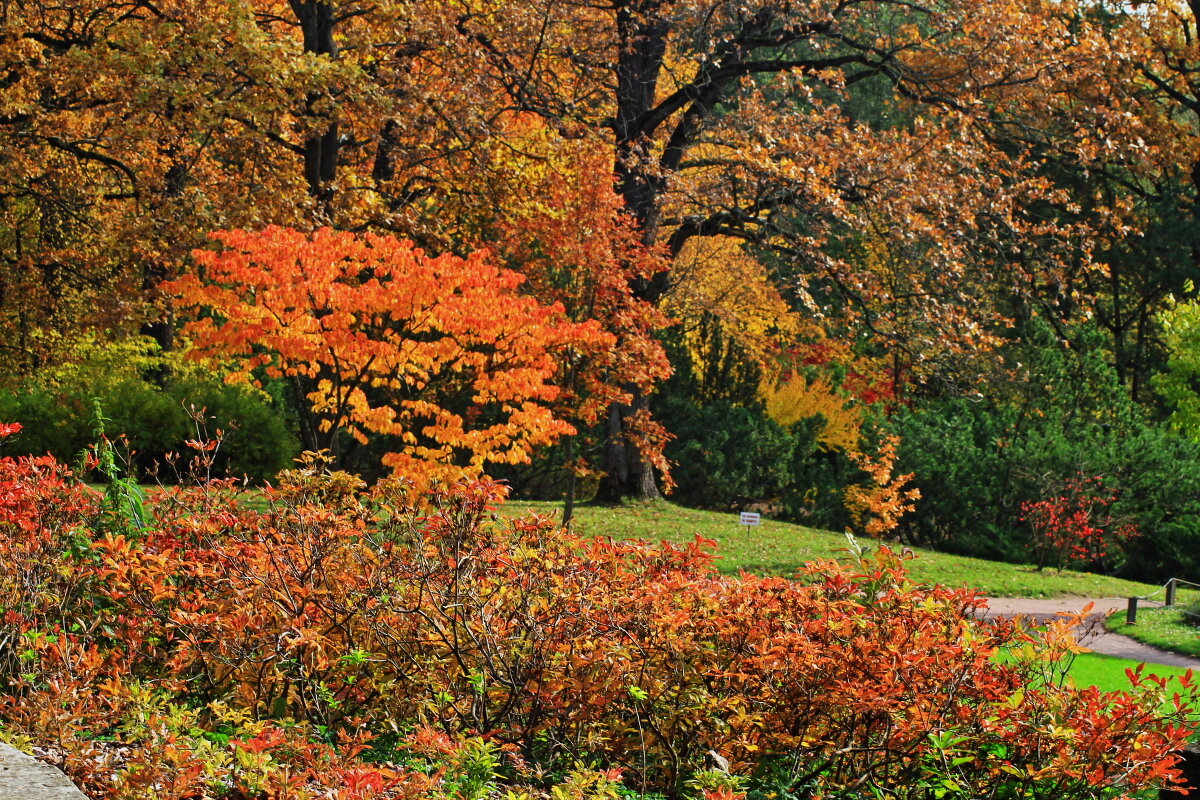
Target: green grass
x: 1108, y: 672
x: 1164, y: 628
x: 780, y: 548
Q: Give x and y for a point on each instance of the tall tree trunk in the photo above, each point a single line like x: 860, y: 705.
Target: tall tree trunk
x: 162, y: 328
x: 643, y: 37
x: 626, y: 473
x: 317, y: 22
x: 569, y: 501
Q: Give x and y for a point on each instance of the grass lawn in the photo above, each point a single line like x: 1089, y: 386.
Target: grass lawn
x: 1161, y: 627
x: 1108, y: 672
x: 780, y: 548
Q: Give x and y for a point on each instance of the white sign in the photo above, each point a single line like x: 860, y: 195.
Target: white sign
x: 751, y: 518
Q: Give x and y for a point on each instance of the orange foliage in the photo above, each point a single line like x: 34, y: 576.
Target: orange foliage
x: 442, y: 354
x: 545, y: 204
x: 222, y: 650
x: 877, y: 504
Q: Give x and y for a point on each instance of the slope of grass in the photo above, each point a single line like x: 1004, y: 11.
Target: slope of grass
x: 781, y: 548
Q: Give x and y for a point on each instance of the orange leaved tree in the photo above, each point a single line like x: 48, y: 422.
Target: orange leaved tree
x: 442, y: 355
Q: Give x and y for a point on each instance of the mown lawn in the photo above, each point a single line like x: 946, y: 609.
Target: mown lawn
x: 781, y: 548
x: 1108, y: 672
x: 1165, y: 628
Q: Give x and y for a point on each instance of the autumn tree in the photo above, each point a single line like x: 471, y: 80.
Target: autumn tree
x: 733, y: 323
x: 886, y: 159
x: 546, y: 205
x: 444, y: 356
x: 1145, y: 87
x: 1153, y: 50
x: 129, y: 129
x: 148, y: 124
x: 749, y: 121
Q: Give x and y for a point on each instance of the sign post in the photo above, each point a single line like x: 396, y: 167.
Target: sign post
x: 750, y: 519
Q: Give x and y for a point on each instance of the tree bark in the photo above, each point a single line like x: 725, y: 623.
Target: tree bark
x: 626, y: 473
x: 317, y: 22
x: 162, y: 328
x: 643, y: 37
x: 569, y: 501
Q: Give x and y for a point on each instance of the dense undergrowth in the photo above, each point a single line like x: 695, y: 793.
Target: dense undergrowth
x: 352, y: 643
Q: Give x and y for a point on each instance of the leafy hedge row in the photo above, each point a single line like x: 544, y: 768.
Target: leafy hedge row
x: 347, y: 643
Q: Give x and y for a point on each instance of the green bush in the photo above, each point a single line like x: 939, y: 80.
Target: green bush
x: 977, y: 461
x: 958, y: 453
x: 57, y: 410
x: 257, y: 441
x: 728, y: 456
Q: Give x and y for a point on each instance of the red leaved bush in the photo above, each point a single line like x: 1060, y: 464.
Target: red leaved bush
x: 229, y: 652
x: 1076, y: 524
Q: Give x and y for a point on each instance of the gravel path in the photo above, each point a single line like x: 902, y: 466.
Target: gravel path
x: 1093, y: 633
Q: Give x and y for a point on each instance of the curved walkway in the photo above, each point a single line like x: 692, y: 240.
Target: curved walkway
x: 1092, y: 633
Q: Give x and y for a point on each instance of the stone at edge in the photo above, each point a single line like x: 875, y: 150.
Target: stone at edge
x: 23, y: 777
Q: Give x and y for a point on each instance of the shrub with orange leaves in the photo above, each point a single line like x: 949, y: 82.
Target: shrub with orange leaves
x: 443, y: 355
x: 294, y: 651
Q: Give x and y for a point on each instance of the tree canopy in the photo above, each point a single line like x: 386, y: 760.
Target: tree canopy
x: 904, y: 183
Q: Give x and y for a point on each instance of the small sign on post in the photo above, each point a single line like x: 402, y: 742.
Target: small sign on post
x: 750, y: 518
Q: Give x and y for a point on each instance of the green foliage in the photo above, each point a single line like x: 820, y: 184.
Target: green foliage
x: 975, y: 463
x: 977, y: 460
x: 727, y: 456
x: 474, y: 770
x: 258, y: 442
x: 956, y: 450
x: 125, y: 502
x: 1179, y: 384
x: 150, y: 421
x: 1158, y: 474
